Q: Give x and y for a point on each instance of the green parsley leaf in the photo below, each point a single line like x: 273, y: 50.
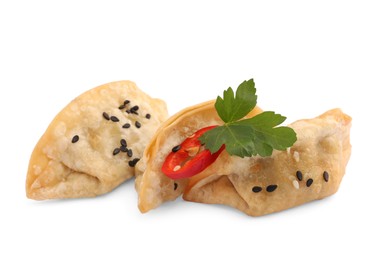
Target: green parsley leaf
x: 258, y: 135
x: 250, y: 137
x: 236, y: 138
x: 232, y: 108
x: 264, y: 127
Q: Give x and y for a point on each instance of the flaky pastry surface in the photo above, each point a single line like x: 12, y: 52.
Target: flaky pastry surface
x: 75, y: 156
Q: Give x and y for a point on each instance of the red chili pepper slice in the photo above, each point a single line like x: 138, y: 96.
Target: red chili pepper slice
x: 189, y: 158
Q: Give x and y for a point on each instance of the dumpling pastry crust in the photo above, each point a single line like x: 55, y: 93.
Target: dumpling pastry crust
x: 152, y: 185
x: 311, y: 169
x: 93, y: 144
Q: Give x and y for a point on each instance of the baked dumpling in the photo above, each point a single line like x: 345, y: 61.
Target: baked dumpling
x: 311, y: 169
x: 94, y: 143
x: 152, y: 185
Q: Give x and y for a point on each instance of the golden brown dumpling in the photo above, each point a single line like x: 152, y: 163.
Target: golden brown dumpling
x: 311, y: 169
x: 93, y: 144
x: 152, y: 185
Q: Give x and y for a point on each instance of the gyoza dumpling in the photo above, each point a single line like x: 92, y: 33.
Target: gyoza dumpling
x: 94, y: 143
x: 311, y: 169
x: 152, y: 185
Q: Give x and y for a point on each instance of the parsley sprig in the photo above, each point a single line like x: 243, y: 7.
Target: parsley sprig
x: 258, y: 135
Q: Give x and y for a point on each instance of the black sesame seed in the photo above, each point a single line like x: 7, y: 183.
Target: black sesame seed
x: 137, y: 124
x: 123, y: 149
x: 326, y: 176
x: 106, y: 116
x: 129, y: 152
x: 299, y: 175
x: 148, y: 116
x: 128, y: 111
x: 256, y: 189
x: 127, y: 125
x: 121, y: 107
x: 116, y: 151
x: 75, y: 139
x: 175, y: 186
x: 309, y: 182
x: 133, y: 162
x: 123, y: 142
x: 271, y: 188
x: 133, y: 110
x: 114, y: 119
x: 126, y: 102
x: 176, y: 148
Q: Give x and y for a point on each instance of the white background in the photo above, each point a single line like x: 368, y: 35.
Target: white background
x: 306, y: 57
